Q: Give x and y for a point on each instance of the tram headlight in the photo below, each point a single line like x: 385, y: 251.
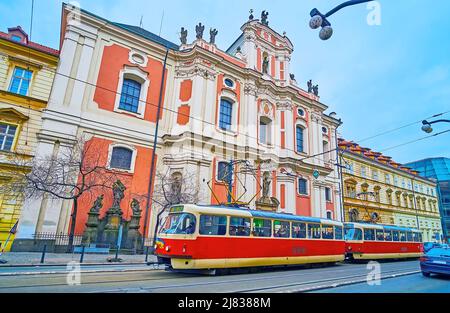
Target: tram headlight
x: 167, y: 248
x: 349, y: 247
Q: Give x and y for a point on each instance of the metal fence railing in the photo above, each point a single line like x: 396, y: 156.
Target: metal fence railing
x: 60, y: 239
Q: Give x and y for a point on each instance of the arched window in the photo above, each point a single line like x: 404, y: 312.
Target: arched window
x: 329, y: 215
x: 121, y: 158
x: 131, y: 92
x: 302, y: 186
x: 299, y: 139
x: 226, y: 114
x: 265, y: 130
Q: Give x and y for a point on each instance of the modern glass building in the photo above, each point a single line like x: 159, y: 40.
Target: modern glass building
x: 439, y: 169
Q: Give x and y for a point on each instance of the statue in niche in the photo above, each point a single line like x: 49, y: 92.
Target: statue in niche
x: 266, y: 184
x: 265, y: 65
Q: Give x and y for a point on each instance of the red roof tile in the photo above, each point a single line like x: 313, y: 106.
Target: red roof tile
x: 31, y: 44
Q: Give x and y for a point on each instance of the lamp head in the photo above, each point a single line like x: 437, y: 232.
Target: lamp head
x: 427, y: 127
x: 315, y: 22
x: 326, y: 32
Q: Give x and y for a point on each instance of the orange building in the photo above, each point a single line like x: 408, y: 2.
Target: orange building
x: 218, y: 105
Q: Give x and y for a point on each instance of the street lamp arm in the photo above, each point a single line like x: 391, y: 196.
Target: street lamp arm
x: 345, y: 4
x: 436, y: 121
x: 338, y: 8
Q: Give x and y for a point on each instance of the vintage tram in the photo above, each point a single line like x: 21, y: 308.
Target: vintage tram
x: 210, y: 238
x: 373, y: 241
x: 219, y: 237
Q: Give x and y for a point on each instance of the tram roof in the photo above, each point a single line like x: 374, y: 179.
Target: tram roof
x: 380, y: 226
x: 272, y: 215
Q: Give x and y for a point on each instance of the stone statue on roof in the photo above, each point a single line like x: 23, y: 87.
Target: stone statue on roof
x: 183, y: 35
x: 316, y: 90
x: 212, y: 35
x: 199, y: 29
x: 310, y: 86
x: 264, y: 16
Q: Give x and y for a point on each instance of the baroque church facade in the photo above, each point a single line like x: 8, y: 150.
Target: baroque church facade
x: 241, y: 104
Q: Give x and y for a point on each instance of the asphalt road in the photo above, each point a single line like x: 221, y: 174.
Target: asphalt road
x: 395, y: 277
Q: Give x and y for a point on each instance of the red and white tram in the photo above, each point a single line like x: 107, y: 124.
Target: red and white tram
x: 373, y: 241
x: 218, y: 237
x: 195, y: 237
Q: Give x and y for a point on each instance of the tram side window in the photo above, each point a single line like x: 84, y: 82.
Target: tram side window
x: 327, y: 232
x: 262, y: 228
x: 417, y: 237
x: 353, y: 233
x: 298, y: 230
x: 409, y: 236
x: 388, y: 235
x: 369, y: 234
x: 281, y: 229
x: 402, y: 236
x: 213, y: 225
x: 396, y: 235
x: 314, y: 231
x: 239, y: 226
x: 380, y: 235
x: 338, y: 232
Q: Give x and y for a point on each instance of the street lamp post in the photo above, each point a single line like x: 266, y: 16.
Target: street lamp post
x: 320, y: 20
x: 426, y: 126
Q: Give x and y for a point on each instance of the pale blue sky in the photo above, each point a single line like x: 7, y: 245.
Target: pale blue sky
x: 375, y: 77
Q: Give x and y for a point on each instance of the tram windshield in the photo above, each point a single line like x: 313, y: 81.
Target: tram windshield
x: 353, y: 233
x: 179, y: 223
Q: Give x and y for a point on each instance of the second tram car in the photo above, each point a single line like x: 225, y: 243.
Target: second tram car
x: 373, y: 241
x: 218, y: 237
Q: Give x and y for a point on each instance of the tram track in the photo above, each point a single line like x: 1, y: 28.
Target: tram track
x: 387, y: 275
x: 183, y: 281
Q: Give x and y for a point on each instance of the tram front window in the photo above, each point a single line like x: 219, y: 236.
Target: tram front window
x: 353, y: 233
x: 183, y: 223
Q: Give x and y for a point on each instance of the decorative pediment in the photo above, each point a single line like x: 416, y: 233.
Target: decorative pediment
x: 351, y: 181
x: 13, y: 115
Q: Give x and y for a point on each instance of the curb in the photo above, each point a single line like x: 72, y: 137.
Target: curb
x: 82, y: 272
x: 65, y: 264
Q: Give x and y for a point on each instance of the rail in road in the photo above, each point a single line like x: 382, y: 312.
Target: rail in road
x: 153, y: 281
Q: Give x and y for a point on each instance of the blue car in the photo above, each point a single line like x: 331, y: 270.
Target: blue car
x: 427, y: 246
x: 436, y: 261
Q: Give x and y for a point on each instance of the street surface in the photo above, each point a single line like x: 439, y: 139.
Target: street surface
x: 395, y: 277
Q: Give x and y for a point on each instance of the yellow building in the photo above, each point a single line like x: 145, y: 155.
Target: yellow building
x: 377, y: 189
x: 26, y: 77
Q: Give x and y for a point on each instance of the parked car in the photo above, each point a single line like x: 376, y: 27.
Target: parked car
x: 436, y: 261
x: 427, y: 246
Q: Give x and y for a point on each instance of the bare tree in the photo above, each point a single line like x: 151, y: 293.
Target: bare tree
x: 68, y: 175
x: 173, y: 188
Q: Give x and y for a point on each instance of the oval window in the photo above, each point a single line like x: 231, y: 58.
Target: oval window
x: 229, y: 83
x: 324, y: 130
x: 301, y: 112
x: 139, y: 59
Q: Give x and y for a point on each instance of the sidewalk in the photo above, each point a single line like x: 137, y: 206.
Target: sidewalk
x: 34, y: 258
